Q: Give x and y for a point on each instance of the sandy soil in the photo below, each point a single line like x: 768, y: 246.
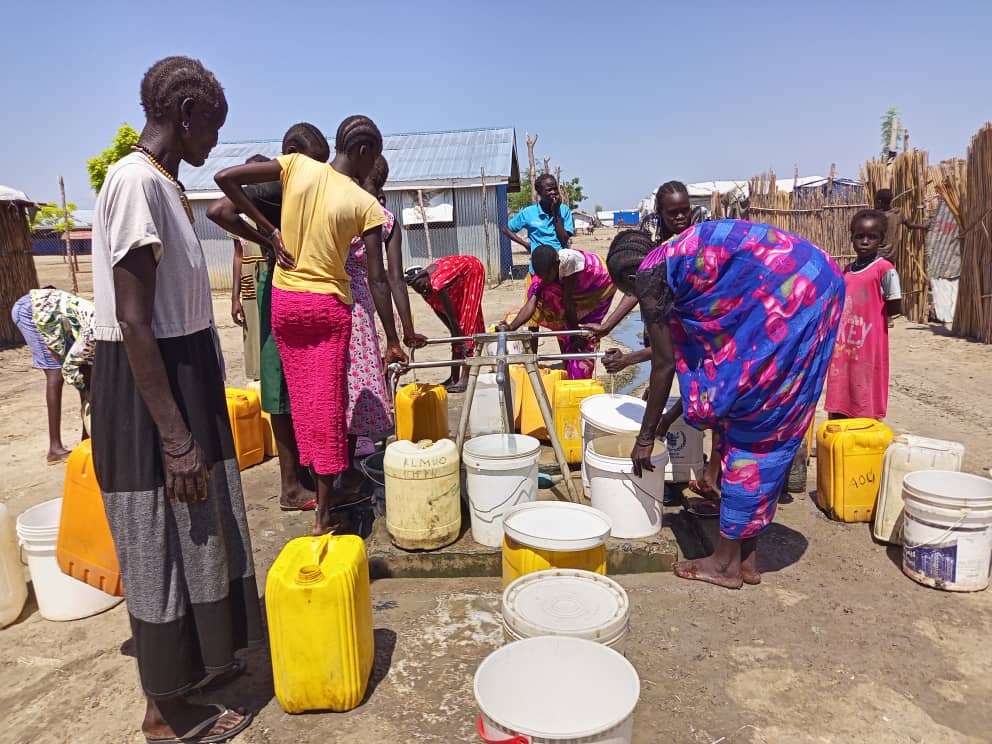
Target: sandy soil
x: 835, y: 646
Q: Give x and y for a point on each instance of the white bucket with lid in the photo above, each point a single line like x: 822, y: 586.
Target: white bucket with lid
x: 556, y: 690
x: 60, y: 597
x: 947, y: 529
x: 634, y: 505
x: 557, y: 526
x: 567, y: 602
x: 608, y: 414
x: 500, y: 472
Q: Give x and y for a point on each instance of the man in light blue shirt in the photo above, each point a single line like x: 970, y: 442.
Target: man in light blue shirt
x: 549, y: 222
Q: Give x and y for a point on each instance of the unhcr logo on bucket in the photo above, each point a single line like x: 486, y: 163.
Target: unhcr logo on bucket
x: 676, y: 442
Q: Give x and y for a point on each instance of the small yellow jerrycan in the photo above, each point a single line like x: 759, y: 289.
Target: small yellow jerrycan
x: 319, y: 609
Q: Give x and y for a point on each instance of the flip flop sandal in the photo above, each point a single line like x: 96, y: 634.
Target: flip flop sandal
x: 198, y: 735
x: 308, y: 505
x: 219, y: 679
x: 702, y: 489
x: 703, y: 508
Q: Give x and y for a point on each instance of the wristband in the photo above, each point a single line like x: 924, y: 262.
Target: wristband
x: 182, y: 449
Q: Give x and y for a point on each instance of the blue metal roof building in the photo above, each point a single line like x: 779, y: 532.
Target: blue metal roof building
x: 441, y: 170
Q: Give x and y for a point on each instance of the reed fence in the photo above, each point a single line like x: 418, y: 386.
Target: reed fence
x: 17, y: 272
x: 973, y: 314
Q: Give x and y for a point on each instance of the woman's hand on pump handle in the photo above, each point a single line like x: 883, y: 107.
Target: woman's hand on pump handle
x: 415, y: 341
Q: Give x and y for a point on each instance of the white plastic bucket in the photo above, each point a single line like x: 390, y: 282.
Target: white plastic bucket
x: 686, y: 460
x: 13, y: 589
x: 608, y: 414
x: 567, y: 602
x: 556, y: 690
x: 947, y: 530
x: 634, y: 505
x: 500, y: 472
x: 558, y: 526
x: 60, y: 597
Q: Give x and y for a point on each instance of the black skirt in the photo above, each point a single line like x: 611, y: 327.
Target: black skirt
x: 187, y: 569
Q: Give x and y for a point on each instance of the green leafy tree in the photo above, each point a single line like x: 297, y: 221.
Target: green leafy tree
x: 598, y: 208
x: 50, y: 217
x: 516, y: 202
x: 97, y: 167
x: 571, y: 193
x: 889, y: 120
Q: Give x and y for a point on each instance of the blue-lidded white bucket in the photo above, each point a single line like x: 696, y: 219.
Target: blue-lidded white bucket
x: 947, y: 530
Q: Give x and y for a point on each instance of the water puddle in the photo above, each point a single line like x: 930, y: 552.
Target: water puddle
x: 630, y: 333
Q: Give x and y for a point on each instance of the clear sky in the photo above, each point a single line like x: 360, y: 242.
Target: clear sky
x: 625, y: 95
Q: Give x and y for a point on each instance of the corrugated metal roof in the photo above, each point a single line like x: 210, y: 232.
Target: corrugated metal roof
x: 415, y: 157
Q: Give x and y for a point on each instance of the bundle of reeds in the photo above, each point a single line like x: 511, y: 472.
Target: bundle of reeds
x: 910, y: 178
x: 717, y: 212
x: 17, y: 271
x: 973, y: 314
x: 949, y: 184
x: 875, y: 175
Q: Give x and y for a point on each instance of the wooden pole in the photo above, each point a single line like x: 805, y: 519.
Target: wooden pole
x: 73, y: 267
x: 905, y: 140
x: 533, y: 166
x: 485, y: 230
x: 427, y: 230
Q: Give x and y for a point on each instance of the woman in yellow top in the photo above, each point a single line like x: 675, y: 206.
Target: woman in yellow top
x: 323, y: 208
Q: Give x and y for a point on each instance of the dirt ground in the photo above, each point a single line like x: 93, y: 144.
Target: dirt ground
x: 836, y: 645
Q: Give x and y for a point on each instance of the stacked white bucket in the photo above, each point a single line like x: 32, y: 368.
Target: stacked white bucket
x: 610, y: 424
x: 561, y: 678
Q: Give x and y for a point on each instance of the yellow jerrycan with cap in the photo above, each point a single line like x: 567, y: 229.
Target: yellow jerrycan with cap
x: 849, y: 454
x: 319, y: 609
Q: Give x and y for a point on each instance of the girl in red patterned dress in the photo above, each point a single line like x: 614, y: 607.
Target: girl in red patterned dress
x: 452, y: 286
x: 858, y: 379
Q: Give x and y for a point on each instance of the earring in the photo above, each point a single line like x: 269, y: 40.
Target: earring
x: 186, y: 125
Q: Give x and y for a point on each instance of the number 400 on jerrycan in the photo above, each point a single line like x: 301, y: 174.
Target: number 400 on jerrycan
x: 849, y: 456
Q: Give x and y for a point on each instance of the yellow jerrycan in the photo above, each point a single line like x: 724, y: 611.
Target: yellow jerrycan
x: 849, y: 455
x: 566, y: 402
x: 421, y: 412
x: 531, y: 420
x: 245, y: 411
x: 319, y: 608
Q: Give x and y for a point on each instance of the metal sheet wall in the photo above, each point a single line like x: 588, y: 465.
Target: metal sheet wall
x: 466, y: 236
x: 943, y: 245
x: 218, y: 248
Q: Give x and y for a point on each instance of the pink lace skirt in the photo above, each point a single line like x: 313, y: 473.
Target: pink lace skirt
x: 312, y: 332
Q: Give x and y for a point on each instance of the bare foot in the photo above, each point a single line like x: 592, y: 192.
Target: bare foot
x: 297, y: 498
x: 708, y: 570
x: 174, y: 720
x: 57, y: 454
x: 458, y: 387
x: 752, y: 578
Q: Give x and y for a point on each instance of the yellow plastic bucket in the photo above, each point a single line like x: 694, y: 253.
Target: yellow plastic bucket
x: 553, y: 534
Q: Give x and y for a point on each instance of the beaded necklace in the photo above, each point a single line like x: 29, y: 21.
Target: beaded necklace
x: 175, y: 181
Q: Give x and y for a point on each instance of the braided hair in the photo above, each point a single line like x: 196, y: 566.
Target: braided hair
x: 172, y: 80
x: 307, y: 139
x: 377, y: 176
x: 627, y: 251
x: 356, y: 131
x: 669, y: 188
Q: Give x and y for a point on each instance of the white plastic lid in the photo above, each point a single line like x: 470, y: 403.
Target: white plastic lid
x: 568, y: 602
x: 557, y: 525
x: 618, y: 414
x: 496, y: 446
